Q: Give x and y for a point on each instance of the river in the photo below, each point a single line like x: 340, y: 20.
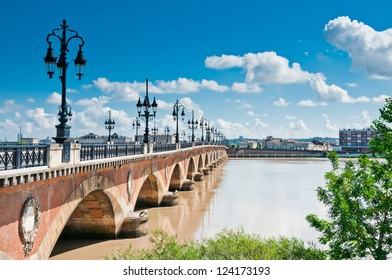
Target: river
x: 270, y: 197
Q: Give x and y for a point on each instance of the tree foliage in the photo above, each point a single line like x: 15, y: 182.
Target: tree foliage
x: 359, y: 200
x: 225, y: 245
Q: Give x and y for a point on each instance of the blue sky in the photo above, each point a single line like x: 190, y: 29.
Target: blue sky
x: 252, y: 68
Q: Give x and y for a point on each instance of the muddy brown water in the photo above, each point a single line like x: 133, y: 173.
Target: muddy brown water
x: 270, y: 197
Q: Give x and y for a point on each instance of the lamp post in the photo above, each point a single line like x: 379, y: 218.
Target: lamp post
x: 203, y: 123
x: 65, y: 111
x: 183, y: 136
x: 136, y: 125
x: 208, y: 132
x: 154, y: 132
x: 147, y: 114
x: 192, y: 125
x: 109, y: 125
x: 176, y: 108
x: 167, y: 131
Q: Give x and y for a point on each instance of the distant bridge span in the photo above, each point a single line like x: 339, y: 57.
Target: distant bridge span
x: 92, y: 198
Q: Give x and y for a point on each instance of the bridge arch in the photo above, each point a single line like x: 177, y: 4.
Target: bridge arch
x: 200, y: 164
x: 206, y: 162
x: 176, y: 178
x: 151, y: 188
x: 191, y: 170
x: 97, y: 190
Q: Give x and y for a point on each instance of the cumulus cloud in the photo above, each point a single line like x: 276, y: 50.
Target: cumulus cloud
x: 123, y: 91
x: 126, y: 91
x: 370, y: 50
x: 281, y: 102
x: 328, y: 125
x: 246, y: 88
x: 41, y: 119
x: 380, y: 100
x: 307, y: 103
x: 290, y: 117
x: 333, y: 92
x: 93, y: 102
x: 55, y: 98
x: 298, y: 125
x: 270, y: 68
x: 223, y: 62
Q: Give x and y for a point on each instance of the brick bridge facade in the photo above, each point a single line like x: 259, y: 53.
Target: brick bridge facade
x: 94, y: 198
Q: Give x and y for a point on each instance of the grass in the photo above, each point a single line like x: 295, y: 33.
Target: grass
x: 226, y: 245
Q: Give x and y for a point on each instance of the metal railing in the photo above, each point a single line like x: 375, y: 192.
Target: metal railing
x: 22, y: 156
x: 163, y: 147
x: 99, y: 151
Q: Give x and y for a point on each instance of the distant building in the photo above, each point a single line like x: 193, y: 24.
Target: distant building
x: 92, y: 138
x: 157, y: 138
x: 290, y: 144
x: 248, y: 145
x: 356, y: 140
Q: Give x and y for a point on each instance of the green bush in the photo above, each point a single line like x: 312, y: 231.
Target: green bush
x: 226, y: 245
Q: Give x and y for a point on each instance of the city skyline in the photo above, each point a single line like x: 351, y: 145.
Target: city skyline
x: 291, y: 70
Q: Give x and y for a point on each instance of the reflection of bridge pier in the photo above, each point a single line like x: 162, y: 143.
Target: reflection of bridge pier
x: 93, y: 198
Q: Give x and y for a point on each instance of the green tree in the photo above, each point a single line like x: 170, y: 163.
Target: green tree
x: 382, y: 142
x: 359, y: 200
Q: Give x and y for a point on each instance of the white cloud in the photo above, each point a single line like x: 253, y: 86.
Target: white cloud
x: 365, y: 118
x: 41, y: 119
x: 307, y: 103
x: 259, y: 124
x: 191, y: 105
x: 270, y: 68
x: 164, y: 105
x: 246, y: 88
x: 290, y: 117
x: 351, y: 85
x: 298, y: 125
x: 30, y: 100
x: 281, y: 102
x: 213, y: 85
x: 333, y: 92
x: 328, y: 125
x: 94, y: 102
x: 223, y: 62
x: 55, y: 98
x: 251, y: 113
x: 370, y: 50
x: 380, y: 100
x: 122, y: 91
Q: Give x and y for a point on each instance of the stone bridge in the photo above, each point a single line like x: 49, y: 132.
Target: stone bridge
x: 94, y: 198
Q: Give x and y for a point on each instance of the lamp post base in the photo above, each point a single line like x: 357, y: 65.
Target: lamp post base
x: 62, y: 133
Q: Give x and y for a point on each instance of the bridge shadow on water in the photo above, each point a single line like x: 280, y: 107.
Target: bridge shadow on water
x: 64, y: 245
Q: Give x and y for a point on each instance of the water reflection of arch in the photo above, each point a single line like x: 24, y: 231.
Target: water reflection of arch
x: 192, y: 207
x: 93, y: 209
x: 150, y: 190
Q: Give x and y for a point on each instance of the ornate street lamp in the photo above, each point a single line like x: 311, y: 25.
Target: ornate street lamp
x: 109, y: 125
x: 176, y: 108
x: 203, y: 123
x: 136, y: 124
x: 208, y: 131
x: 183, y: 136
x: 167, y: 131
x: 147, y: 114
x: 192, y: 124
x: 155, y: 132
x: 65, y: 111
